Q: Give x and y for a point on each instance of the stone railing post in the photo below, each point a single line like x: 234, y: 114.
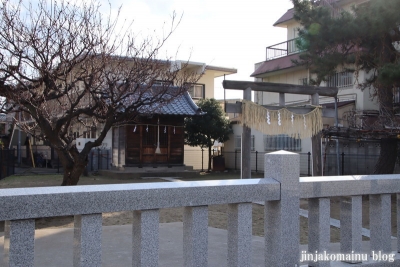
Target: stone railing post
x: 239, y: 234
x: 398, y: 221
x: 19, y: 243
x: 145, y: 238
x: 319, y: 228
x: 350, y: 226
x: 380, y: 223
x: 281, y: 227
x: 195, y: 236
x: 87, y: 240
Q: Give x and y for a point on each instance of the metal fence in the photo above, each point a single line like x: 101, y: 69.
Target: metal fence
x: 7, y: 163
x: 99, y: 159
x: 360, y: 163
x: 350, y: 164
x: 355, y: 157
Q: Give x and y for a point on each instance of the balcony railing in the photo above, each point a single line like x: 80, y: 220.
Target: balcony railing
x: 282, y: 49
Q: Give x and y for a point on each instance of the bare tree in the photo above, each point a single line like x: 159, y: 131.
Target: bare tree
x: 63, y: 65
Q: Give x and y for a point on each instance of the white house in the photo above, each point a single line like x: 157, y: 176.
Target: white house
x: 279, y: 68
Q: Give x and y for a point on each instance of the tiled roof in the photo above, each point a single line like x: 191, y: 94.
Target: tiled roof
x: 275, y: 65
x: 286, y: 17
x: 290, y: 13
x: 170, y: 104
x: 181, y: 105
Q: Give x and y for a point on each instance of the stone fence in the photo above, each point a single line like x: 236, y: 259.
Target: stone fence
x: 281, y: 190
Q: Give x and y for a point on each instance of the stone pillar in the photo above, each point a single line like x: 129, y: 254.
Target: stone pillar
x: 87, y: 240
x: 19, y: 243
x: 122, y: 146
x: 380, y: 223
x: 315, y: 99
x: 195, y: 236
x: 239, y: 234
x: 115, y: 147
x: 316, y: 147
x: 398, y: 222
x: 246, y: 143
x: 145, y: 238
x: 281, y: 227
x: 319, y: 228
x: 351, y: 226
x: 282, y: 101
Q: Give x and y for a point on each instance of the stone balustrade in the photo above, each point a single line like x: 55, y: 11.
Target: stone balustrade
x: 281, y: 190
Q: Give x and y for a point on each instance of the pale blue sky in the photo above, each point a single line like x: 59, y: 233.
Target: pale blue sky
x: 223, y: 33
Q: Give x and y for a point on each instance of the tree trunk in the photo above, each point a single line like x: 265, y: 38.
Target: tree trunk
x: 387, y: 157
x: 316, y: 154
x: 73, y: 169
x: 209, y: 159
x: 388, y: 152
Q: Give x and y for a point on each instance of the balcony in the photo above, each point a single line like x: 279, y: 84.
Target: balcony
x: 283, y: 49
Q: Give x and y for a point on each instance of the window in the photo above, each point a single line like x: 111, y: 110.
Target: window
x: 303, y: 81
x: 89, y: 133
x: 238, y: 142
x: 197, y: 91
x: 340, y: 79
x: 282, y: 142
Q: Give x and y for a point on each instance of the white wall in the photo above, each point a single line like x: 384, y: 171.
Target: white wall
x: 208, y: 80
x: 193, y: 157
x: 292, y: 77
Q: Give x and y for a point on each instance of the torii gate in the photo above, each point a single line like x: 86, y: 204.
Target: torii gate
x: 313, y: 91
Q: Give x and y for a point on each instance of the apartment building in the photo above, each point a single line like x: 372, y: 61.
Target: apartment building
x: 278, y: 67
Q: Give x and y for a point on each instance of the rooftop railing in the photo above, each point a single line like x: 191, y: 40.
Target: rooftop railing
x: 280, y: 190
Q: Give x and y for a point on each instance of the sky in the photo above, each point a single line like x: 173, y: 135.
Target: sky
x: 232, y: 34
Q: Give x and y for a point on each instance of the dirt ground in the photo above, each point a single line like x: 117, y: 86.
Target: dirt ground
x: 217, y: 213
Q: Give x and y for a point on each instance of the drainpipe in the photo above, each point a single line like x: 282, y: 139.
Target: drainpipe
x: 19, y: 139
x: 224, y: 98
x: 337, y: 139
